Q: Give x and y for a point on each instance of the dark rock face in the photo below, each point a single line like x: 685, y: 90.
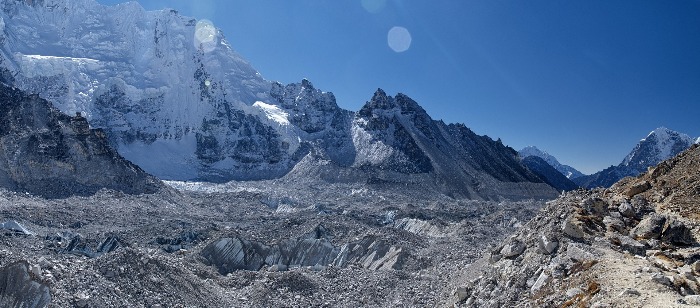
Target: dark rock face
x: 396, y: 134
x: 547, y: 173
x: 319, y: 119
x: 50, y: 154
x: 18, y: 288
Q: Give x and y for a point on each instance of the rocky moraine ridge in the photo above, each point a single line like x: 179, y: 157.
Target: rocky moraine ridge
x: 633, y: 245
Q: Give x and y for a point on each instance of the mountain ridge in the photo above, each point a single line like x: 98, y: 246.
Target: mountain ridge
x: 175, y: 98
x: 566, y: 170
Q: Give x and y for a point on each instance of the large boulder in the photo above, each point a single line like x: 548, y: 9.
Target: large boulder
x: 20, y: 288
x: 650, y: 227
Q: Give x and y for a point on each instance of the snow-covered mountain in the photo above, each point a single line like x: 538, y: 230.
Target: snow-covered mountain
x: 566, y: 170
x: 661, y: 144
x: 175, y: 98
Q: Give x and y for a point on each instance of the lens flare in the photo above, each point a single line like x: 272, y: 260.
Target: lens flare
x: 205, y: 36
x: 399, y: 39
x: 373, y: 6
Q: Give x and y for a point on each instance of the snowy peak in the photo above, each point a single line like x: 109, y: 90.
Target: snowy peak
x: 661, y: 144
x: 567, y: 171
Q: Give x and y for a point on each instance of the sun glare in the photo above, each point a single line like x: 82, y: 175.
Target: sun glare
x: 205, y: 36
x: 399, y: 39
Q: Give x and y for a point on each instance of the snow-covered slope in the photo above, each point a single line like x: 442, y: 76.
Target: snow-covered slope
x: 169, y: 90
x: 566, y: 170
x: 661, y: 144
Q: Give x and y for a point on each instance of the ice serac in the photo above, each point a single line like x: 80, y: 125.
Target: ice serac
x: 48, y: 153
x: 661, y: 144
x: 394, y: 135
x: 566, y: 170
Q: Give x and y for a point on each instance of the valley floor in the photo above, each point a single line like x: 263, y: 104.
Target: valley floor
x: 117, y: 250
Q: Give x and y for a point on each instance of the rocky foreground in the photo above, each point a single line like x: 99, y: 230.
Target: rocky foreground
x: 253, y: 244
x: 633, y: 245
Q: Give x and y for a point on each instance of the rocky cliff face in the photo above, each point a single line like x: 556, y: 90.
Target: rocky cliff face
x: 661, y: 144
x: 635, y: 244
x: 50, y: 154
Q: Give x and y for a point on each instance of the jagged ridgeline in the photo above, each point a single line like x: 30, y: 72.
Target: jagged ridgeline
x: 48, y: 153
x: 183, y: 112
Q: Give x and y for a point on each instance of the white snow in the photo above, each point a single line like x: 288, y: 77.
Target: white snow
x: 273, y: 112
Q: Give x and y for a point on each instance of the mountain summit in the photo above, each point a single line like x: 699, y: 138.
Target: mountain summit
x: 659, y: 145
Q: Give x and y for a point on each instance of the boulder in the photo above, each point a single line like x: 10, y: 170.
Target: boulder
x: 637, y: 189
x: 20, y: 288
x: 650, y: 227
x: 677, y: 233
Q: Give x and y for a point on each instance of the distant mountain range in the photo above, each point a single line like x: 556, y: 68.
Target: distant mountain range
x: 661, y: 144
x: 568, y: 171
x: 185, y: 106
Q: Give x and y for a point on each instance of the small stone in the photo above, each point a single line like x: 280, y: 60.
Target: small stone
x: 626, y: 210
x: 573, y: 292
x: 547, y: 246
x: 630, y: 291
x: 692, y: 300
x: 659, y: 278
x: 638, y: 189
x: 35, y: 269
x: 461, y: 294
x: 541, y: 281
x: 696, y: 267
x: 513, y: 249
x: 572, y: 230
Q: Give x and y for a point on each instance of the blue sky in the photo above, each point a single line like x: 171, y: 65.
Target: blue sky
x: 581, y: 79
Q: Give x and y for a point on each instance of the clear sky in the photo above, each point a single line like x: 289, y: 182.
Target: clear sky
x: 581, y: 79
